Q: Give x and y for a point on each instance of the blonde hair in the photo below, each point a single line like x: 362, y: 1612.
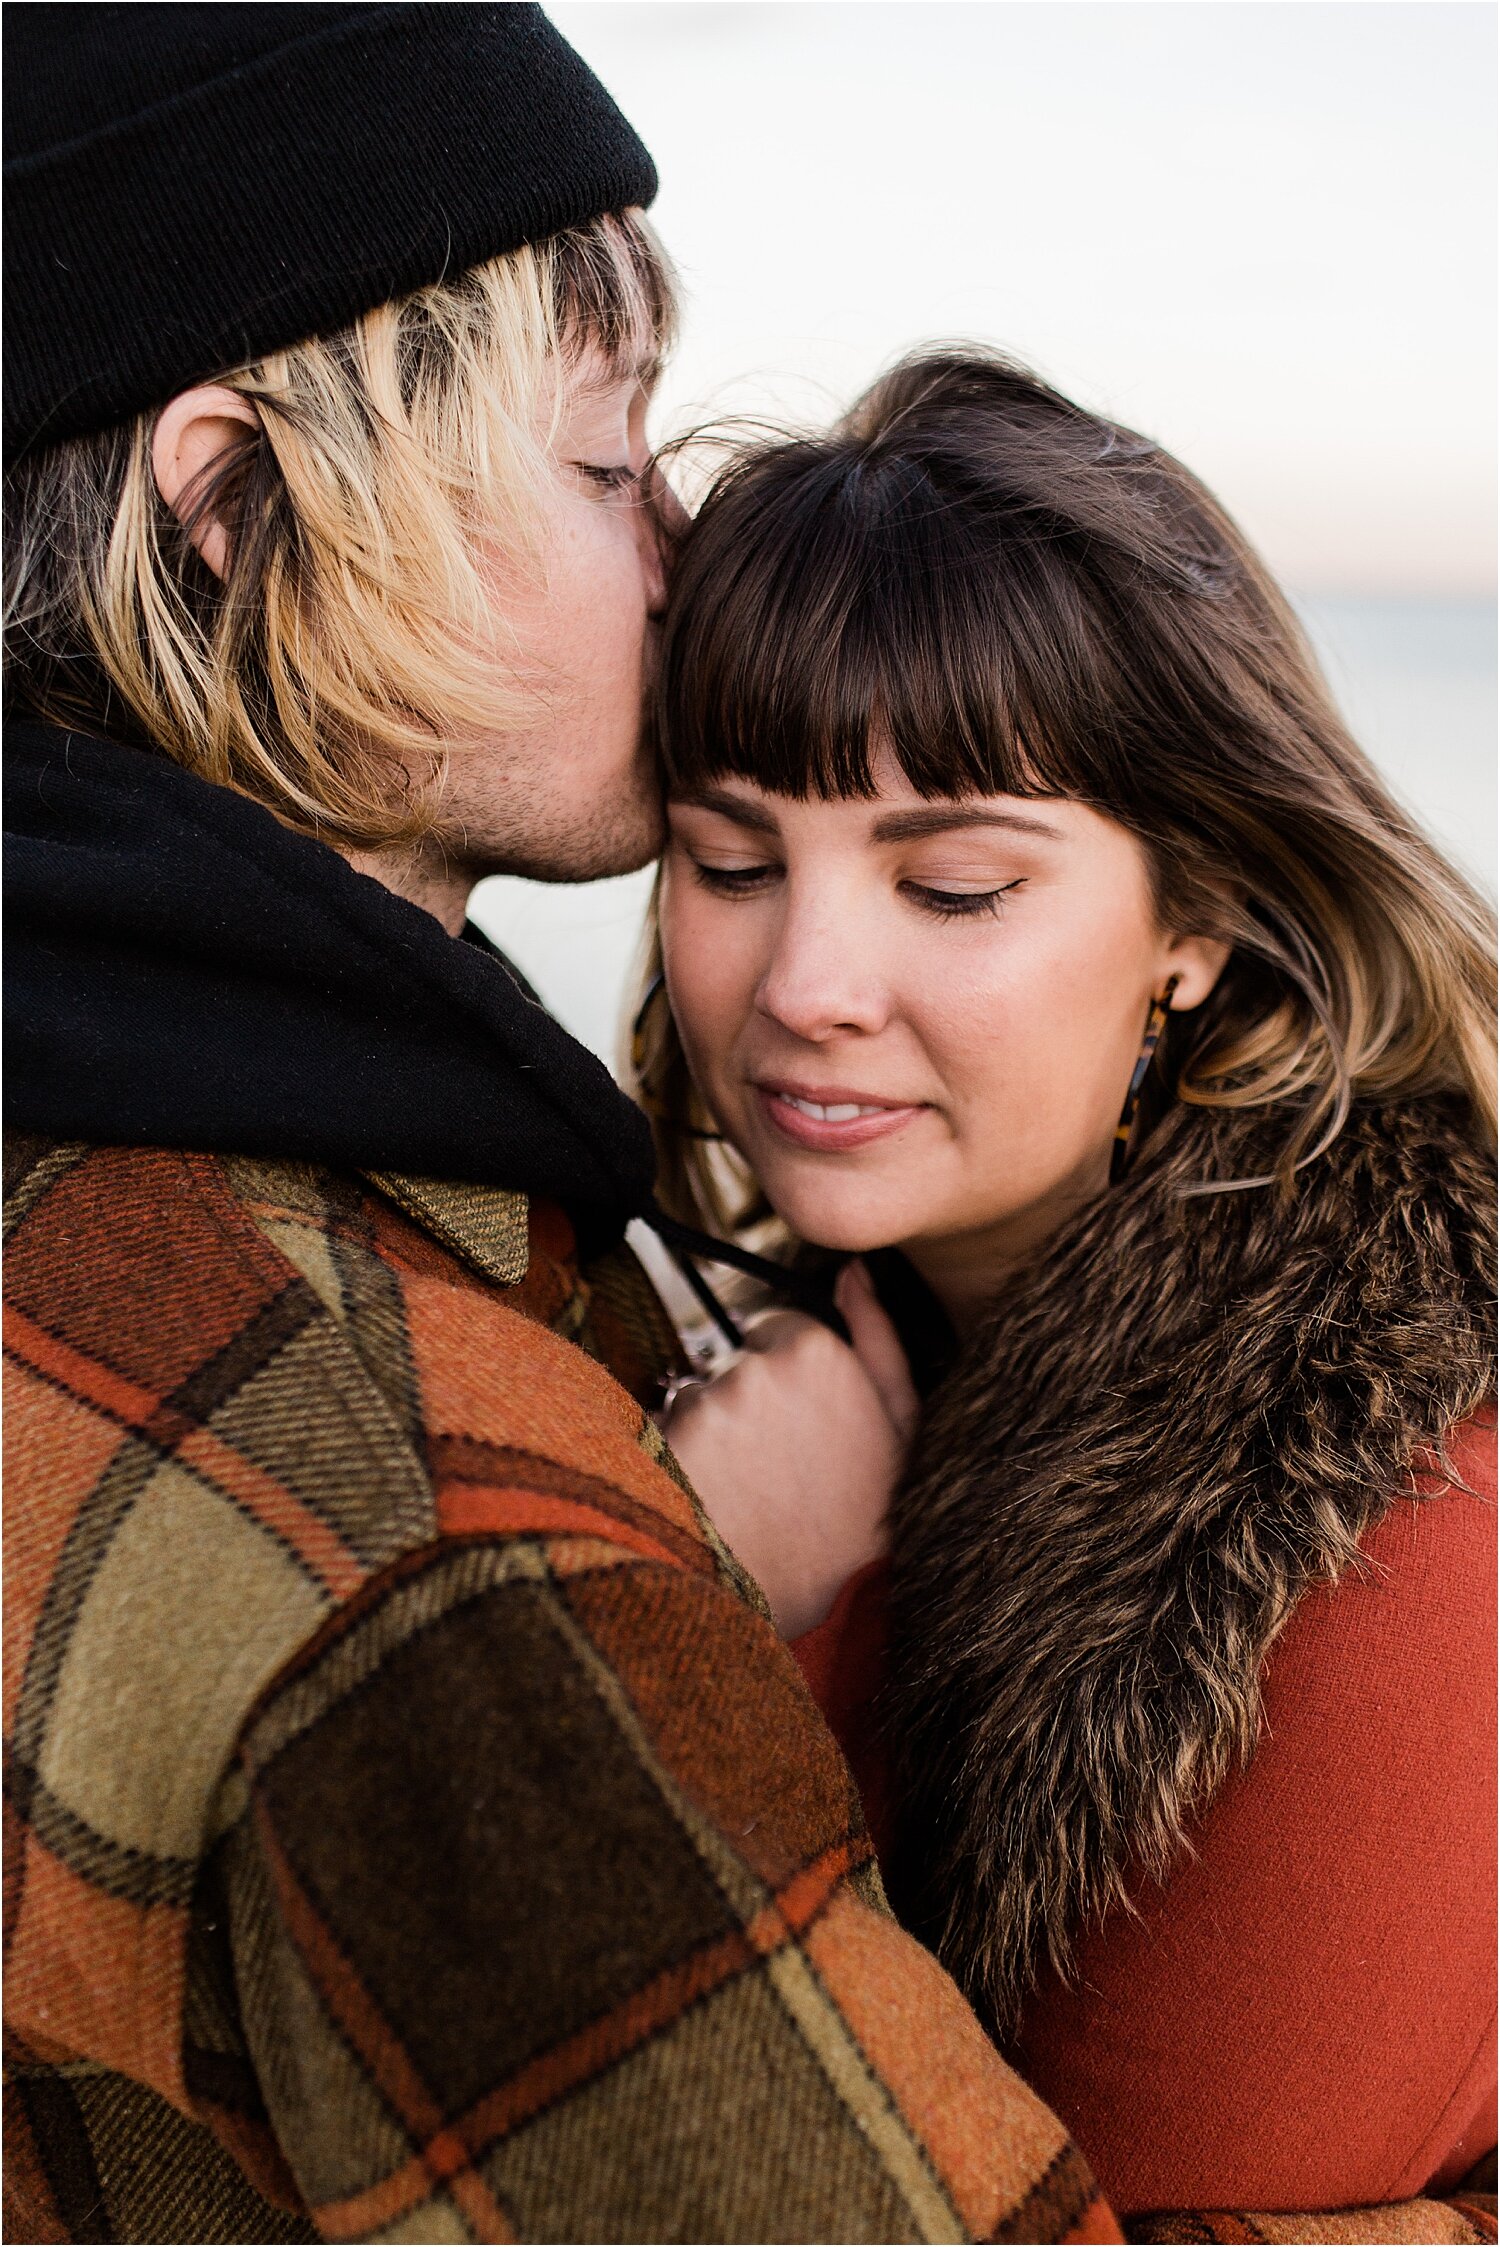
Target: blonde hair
x: 1025, y: 599
x: 394, y: 465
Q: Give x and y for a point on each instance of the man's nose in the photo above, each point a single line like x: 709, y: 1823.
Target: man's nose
x: 663, y: 519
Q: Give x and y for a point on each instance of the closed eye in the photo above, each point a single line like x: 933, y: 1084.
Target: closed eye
x: 610, y: 479
x: 732, y: 881
x: 958, y: 904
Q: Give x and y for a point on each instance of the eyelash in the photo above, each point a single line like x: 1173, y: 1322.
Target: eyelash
x: 612, y: 479
x: 943, y: 905
x: 962, y: 905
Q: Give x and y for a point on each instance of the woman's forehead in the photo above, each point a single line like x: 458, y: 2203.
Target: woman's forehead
x: 893, y: 813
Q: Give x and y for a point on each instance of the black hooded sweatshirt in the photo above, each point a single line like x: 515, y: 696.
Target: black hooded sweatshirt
x: 184, y: 971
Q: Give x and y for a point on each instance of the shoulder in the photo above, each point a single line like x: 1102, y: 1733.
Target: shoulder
x: 238, y: 1394
x: 1376, y: 1741
x: 151, y: 1312
x: 1376, y: 1756
x: 383, y: 1367
x: 1302, y: 2015
x: 1413, y: 1623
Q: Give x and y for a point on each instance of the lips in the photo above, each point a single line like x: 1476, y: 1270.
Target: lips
x: 828, y: 1119
x: 842, y: 1111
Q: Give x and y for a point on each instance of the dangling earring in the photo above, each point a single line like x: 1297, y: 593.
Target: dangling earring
x: 654, y: 990
x: 657, y: 989
x: 1156, y: 1022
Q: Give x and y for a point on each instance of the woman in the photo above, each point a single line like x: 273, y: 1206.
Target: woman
x: 1032, y: 930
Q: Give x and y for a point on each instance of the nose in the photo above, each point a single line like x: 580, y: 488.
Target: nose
x: 823, y: 980
x: 662, y: 520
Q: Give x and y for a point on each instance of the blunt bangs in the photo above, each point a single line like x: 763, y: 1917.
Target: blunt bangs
x: 957, y: 579
x: 825, y: 604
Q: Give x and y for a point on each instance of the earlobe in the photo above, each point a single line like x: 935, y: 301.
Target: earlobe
x: 193, y: 433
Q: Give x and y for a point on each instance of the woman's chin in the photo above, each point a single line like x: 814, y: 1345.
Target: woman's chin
x: 845, y: 1233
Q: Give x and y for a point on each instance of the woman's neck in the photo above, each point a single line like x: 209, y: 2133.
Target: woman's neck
x: 966, y: 1271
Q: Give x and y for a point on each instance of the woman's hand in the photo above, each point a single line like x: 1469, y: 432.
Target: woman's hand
x: 796, y: 1447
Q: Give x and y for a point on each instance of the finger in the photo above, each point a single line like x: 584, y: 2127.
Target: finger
x: 677, y: 1414
x: 693, y: 1396
x: 769, y: 1331
x: 877, y: 1345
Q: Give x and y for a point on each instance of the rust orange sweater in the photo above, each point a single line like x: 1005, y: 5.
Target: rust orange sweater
x: 1304, y: 2015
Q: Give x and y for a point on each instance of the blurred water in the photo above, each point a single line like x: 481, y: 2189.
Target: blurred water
x: 1415, y: 678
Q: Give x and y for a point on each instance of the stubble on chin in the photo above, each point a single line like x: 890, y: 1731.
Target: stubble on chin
x: 604, y: 841
x: 553, y: 828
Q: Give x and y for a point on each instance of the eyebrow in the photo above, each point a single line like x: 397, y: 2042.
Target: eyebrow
x: 891, y: 827
x: 743, y: 813
x: 938, y: 819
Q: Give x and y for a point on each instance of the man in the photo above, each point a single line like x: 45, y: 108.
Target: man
x: 419, y: 1831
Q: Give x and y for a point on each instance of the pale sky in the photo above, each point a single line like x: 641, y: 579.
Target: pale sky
x: 1262, y: 230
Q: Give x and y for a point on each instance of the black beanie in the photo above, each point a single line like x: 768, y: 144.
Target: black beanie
x: 191, y: 186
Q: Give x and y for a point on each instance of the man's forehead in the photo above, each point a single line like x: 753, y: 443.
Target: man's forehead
x: 594, y: 371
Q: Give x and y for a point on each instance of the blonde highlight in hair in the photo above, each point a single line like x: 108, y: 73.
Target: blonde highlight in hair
x: 395, y: 469
x: 1021, y: 598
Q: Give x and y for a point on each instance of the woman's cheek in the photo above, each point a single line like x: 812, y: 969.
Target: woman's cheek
x: 1004, y: 1049
x: 972, y: 1011
x: 698, y: 959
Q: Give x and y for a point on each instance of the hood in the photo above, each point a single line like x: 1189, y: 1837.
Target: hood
x: 184, y: 971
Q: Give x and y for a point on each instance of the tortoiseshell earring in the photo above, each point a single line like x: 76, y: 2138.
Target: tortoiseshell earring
x: 1156, y: 1022
x: 655, y: 989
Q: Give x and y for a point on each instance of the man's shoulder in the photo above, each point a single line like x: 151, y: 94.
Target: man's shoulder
x: 243, y: 1397
x: 239, y: 1390
x: 213, y: 1220
x: 376, y: 1348
x: 229, y: 1318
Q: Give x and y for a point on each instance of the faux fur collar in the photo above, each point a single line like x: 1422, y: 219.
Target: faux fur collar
x: 1190, y: 1412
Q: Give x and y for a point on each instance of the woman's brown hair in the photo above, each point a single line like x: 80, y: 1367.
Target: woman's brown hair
x: 1022, y: 598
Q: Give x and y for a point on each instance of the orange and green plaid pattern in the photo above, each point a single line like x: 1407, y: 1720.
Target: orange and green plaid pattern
x: 417, y: 1830
x: 1462, y: 2218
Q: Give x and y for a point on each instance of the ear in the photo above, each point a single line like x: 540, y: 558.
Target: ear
x: 193, y: 433
x: 1197, y: 962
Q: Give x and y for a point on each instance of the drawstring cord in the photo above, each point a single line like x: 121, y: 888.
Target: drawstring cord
x: 688, y: 1248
